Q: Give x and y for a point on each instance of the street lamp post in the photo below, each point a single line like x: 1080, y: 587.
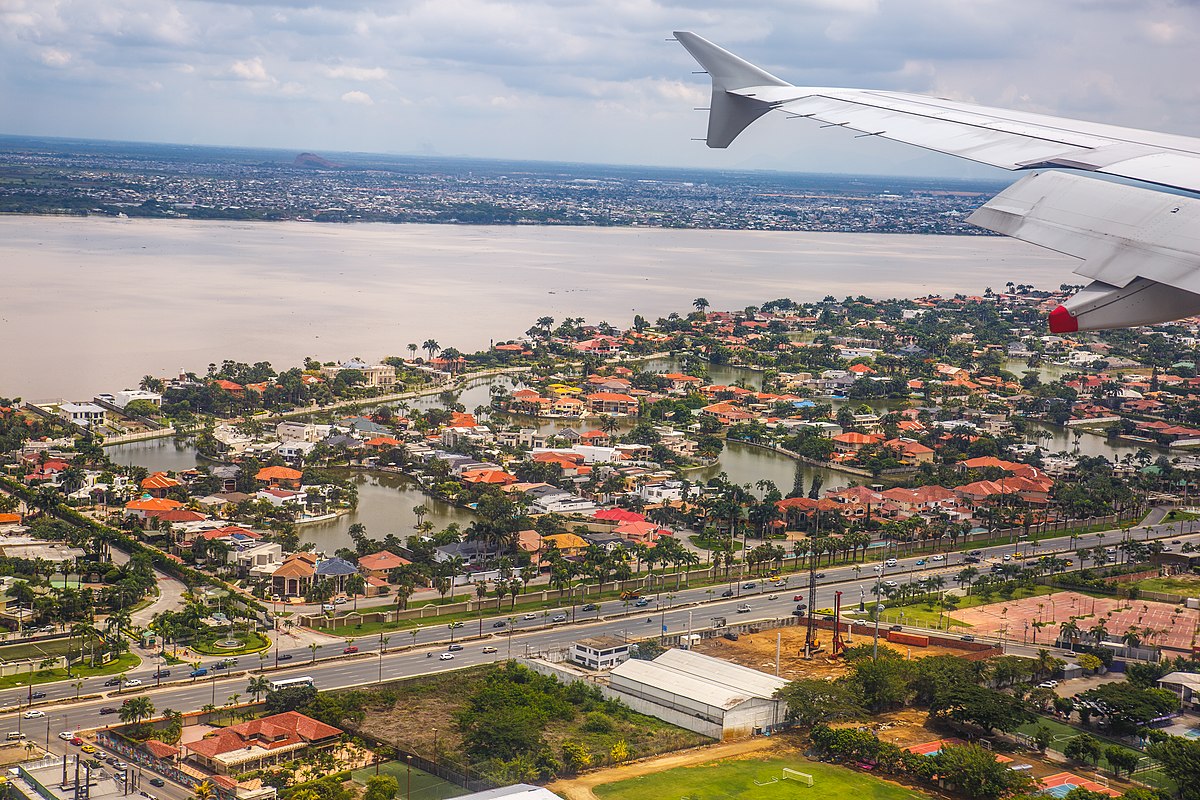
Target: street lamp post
x: 878, y: 610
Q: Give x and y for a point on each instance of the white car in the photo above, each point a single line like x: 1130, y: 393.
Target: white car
x: 890, y: 584
x: 891, y: 562
x: 33, y: 713
x: 67, y: 736
x: 1007, y: 557
x: 446, y: 657
x: 133, y: 682
x: 1048, y: 685
x: 530, y: 615
x: 938, y: 557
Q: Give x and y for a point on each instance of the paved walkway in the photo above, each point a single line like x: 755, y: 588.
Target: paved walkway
x: 170, y: 593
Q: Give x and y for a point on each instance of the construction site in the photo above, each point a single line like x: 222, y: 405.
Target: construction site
x: 811, y: 647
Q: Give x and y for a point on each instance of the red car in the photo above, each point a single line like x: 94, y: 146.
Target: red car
x: 75, y: 740
x: 798, y: 598
x: 350, y: 649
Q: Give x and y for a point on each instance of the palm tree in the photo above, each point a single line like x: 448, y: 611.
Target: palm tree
x: 313, y: 648
x: 419, y: 512
x: 204, y: 790
x: 412, y: 351
x: 700, y: 303
x: 431, y: 347
x: 135, y: 709
x: 356, y: 585
x: 258, y: 685
x: 1069, y: 631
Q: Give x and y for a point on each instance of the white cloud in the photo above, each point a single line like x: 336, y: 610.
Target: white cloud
x: 53, y: 57
x: 566, y: 79
x: 357, y: 73
x: 251, y: 69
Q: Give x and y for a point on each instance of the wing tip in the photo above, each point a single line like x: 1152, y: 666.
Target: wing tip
x: 1062, y: 321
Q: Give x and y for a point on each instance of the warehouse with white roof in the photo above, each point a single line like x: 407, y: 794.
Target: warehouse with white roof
x: 703, y: 694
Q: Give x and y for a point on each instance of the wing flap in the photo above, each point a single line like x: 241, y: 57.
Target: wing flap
x: 1121, y: 232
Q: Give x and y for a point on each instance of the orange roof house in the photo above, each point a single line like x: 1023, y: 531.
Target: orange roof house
x: 157, y: 484
x: 911, y: 452
x: 496, y: 477
x: 280, y: 477
x: 147, y: 507
x: 612, y: 403
x: 853, y: 442
x: 294, y: 576
x: 380, y: 442
x: 269, y: 740
x: 380, y: 565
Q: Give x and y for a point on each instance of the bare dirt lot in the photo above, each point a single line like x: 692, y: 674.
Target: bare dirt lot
x: 757, y: 651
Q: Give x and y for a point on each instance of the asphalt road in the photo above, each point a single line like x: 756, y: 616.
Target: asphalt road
x: 407, y: 656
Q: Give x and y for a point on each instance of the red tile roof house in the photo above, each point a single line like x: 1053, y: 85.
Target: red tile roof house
x: 145, y: 508
x: 280, y: 477
x: 381, y: 564
x: 157, y: 484
x: 252, y: 745
x: 612, y: 403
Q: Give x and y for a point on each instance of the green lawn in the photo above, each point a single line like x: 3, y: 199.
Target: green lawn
x: 926, y: 615
x: 725, y: 780
x: 1179, y: 585
x: 252, y: 642
x: 125, y: 662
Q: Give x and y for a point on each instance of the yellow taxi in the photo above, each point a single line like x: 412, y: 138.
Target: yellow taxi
x: 88, y: 748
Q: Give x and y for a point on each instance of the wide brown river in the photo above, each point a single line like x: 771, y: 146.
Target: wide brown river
x: 91, y: 304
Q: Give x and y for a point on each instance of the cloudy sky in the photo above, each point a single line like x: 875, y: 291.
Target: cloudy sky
x: 571, y: 80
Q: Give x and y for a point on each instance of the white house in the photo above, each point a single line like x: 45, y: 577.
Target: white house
x: 85, y: 415
x: 127, y: 396
x: 600, y: 652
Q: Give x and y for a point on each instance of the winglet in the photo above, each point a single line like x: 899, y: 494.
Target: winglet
x: 729, y: 114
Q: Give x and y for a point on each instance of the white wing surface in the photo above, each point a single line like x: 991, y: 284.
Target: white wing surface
x: 1138, y: 245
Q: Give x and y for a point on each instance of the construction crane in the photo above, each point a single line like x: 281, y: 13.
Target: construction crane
x: 838, y: 644
x: 811, y: 645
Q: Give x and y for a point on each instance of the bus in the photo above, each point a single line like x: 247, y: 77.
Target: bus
x: 287, y: 683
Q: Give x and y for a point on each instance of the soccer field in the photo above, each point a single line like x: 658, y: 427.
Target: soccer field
x: 756, y: 779
x: 35, y: 650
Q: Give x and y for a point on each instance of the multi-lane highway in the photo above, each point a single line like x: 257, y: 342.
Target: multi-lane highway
x: 535, y: 632
x: 675, y: 610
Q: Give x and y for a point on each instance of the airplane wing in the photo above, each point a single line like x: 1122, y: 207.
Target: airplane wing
x: 1139, y: 245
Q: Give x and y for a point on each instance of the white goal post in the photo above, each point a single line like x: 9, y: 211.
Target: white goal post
x: 797, y: 775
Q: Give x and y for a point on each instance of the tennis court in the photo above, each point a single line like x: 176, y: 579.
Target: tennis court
x: 1060, y: 785
x: 1019, y: 620
x: 36, y: 650
x: 937, y: 746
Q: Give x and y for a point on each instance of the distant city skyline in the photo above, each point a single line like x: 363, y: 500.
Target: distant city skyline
x: 574, y: 82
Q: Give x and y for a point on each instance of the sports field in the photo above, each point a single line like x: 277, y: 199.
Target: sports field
x: 35, y: 650
x: 755, y: 779
x: 1061, y: 734
x: 414, y: 783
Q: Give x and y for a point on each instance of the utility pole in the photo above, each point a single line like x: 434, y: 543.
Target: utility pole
x: 878, y: 609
